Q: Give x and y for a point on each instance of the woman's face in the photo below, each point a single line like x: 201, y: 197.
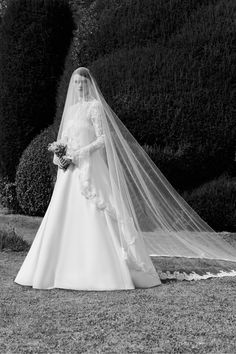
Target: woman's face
x: 81, y: 84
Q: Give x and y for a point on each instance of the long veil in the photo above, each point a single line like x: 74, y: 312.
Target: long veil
x: 150, y: 213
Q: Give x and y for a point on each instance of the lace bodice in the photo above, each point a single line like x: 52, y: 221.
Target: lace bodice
x: 83, y: 133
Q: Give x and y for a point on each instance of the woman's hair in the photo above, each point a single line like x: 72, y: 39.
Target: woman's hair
x: 83, y: 72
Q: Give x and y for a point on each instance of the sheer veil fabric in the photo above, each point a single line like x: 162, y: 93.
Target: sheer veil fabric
x: 152, y: 218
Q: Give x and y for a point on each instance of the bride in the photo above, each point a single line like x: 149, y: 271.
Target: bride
x: 112, y: 209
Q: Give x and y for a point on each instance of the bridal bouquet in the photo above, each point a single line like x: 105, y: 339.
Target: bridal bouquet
x: 59, y: 148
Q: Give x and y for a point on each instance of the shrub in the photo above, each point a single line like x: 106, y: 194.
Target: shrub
x: 3, y: 6
x: 127, y: 24
x: 175, y: 94
x: 34, y: 38
x: 9, y: 239
x: 3, y: 181
x: 180, y: 93
x: 188, y: 166
x: 8, y: 197
x: 34, y: 176
x: 86, y: 19
x: 215, y: 202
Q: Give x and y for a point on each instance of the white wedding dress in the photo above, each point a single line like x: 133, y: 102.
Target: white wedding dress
x: 77, y: 245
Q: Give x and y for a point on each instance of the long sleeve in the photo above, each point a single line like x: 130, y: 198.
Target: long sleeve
x: 99, y: 142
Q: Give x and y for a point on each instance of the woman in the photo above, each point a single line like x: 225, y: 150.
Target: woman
x: 111, y: 208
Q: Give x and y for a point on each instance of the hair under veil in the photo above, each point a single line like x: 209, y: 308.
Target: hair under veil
x: 149, y: 213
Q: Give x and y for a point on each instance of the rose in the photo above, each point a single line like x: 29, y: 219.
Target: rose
x: 58, y: 147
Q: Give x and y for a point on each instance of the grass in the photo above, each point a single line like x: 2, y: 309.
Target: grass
x: 25, y: 226
x: 176, y: 317
x: 10, y: 240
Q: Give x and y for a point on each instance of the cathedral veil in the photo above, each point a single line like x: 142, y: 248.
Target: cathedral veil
x: 149, y: 211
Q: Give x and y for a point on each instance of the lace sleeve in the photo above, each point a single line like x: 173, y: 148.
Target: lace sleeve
x: 96, y: 118
x: 99, y: 142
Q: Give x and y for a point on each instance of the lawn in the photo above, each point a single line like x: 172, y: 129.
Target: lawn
x: 25, y: 226
x: 176, y: 317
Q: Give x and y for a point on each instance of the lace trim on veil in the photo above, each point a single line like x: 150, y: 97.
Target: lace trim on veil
x: 176, y: 275
x: 88, y: 190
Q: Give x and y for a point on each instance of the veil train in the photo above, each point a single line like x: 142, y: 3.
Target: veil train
x: 148, y: 210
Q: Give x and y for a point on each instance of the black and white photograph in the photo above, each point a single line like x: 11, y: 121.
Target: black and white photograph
x: 117, y: 176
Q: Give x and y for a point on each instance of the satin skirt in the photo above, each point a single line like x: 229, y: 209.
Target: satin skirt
x: 77, y: 246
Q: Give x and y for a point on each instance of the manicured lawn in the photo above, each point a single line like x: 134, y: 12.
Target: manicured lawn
x: 176, y: 317
x: 25, y: 226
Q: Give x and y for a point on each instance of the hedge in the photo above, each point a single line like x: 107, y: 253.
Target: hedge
x: 34, y: 177
x: 34, y: 38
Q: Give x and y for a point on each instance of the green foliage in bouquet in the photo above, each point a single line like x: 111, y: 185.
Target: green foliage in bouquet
x: 34, y: 176
x: 10, y: 240
x: 34, y: 39
x: 215, y: 202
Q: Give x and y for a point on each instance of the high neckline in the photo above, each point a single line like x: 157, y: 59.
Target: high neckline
x: 88, y: 99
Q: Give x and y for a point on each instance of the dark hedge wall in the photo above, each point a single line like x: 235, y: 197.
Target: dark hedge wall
x: 170, y: 80
x: 34, y: 38
x: 131, y: 23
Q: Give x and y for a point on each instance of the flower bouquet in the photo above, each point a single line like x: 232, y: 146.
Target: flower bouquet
x: 59, y: 148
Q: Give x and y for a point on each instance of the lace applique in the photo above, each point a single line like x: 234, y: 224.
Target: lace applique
x: 96, y: 118
x: 99, y: 142
x: 176, y: 275
x: 87, y: 189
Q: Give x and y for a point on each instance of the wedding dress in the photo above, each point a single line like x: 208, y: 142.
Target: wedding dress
x: 112, y: 209
x: 77, y: 245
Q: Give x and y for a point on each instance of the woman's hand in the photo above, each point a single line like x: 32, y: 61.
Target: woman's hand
x: 64, y: 161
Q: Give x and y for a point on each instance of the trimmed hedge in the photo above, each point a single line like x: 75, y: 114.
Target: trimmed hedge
x: 34, y: 38
x: 34, y: 176
x: 188, y: 166
x: 174, y: 94
x: 215, y: 202
x: 131, y: 23
x: 181, y: 93
x: 86, y: 20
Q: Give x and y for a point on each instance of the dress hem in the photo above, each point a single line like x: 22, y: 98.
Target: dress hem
x: 66, y: 287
